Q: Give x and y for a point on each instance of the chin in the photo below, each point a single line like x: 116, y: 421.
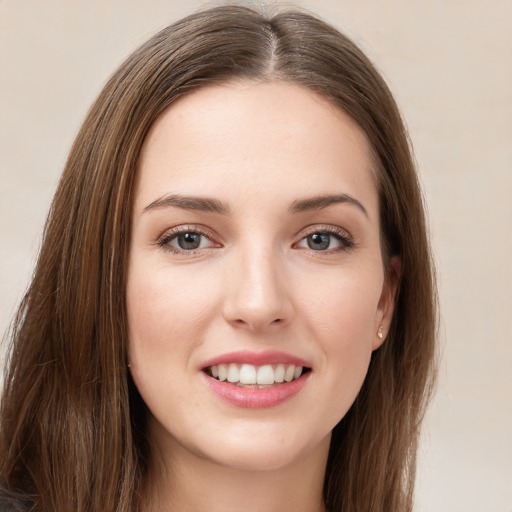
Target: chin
x: 259, y: 451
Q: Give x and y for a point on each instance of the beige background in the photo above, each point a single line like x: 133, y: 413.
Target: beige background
x: 449, y: 64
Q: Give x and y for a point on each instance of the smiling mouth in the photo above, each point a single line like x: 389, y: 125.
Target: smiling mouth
x: 256, y: 377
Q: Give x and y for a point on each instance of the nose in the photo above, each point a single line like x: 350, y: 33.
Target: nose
x: 259, y: 295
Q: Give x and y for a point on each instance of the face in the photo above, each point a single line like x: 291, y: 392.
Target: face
x: 255, y: 286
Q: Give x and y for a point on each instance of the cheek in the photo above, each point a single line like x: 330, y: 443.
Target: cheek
x: 342, y: 320
x: 167, y: 300
x: 343, y: 305
x: 166, y: 314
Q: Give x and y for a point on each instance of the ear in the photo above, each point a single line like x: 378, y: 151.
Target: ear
x: 386, y: 304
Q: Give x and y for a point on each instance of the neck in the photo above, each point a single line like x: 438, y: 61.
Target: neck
x: 186, y: 481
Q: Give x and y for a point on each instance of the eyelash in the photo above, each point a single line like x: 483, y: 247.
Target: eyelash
x: 342, y: 236
x: 345, y: 240
x: 165, y: 240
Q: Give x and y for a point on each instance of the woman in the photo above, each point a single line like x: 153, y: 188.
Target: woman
x: 234, y: 302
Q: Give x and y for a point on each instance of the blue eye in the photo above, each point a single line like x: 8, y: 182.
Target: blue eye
x: 323, y: 241
x: 185, y: 241
x: 319, y: 241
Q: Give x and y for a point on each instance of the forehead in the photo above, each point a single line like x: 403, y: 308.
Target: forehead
x: 230, y: 140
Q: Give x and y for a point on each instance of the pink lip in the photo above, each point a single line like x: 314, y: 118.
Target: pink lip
x: 256, y: 359
x: 256, y: 398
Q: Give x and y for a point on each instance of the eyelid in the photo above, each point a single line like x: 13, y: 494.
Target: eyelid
x: 342, y: 234
x: 164, y: 239
x: 344, y: 237
x: 324, y: 228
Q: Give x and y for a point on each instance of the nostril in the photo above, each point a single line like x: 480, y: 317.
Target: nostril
x: 241, y: 321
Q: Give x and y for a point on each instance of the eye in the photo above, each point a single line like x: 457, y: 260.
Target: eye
x: 326, y: 240
x: 189, y: 241
x: 185, y: 240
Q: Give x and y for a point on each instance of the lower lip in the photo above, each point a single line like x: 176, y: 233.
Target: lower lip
x: 251, y: 398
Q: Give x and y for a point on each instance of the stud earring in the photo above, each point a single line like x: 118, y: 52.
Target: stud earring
x: 379, y: 334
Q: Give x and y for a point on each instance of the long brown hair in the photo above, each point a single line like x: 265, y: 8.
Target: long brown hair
x: 72, y: 423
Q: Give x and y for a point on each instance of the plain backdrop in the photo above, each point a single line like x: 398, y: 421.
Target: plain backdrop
x: 449, y: 64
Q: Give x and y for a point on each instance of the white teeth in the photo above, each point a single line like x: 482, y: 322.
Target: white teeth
x: 279, y: 373
x: 265, y: 374
x: 233, y: 373
x: 290, y: 371
x: 256, y: 376
x: 223, y: 372
x: 248, y: 374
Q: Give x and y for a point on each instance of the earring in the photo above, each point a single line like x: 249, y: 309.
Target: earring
x: 379, y: 334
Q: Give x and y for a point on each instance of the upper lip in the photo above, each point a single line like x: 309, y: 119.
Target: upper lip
x: 256, y: 358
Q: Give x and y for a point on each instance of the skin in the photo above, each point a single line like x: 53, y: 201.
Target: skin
x: 253, y: 284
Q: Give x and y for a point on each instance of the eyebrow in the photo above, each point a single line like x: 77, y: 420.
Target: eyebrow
x: 205, y: 204
x: 320, y: 202
x: 209, y: 204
